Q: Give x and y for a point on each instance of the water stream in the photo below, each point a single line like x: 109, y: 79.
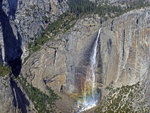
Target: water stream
x: 90, y: 101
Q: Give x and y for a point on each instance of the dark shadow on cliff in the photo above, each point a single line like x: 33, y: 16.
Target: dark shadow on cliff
x: 12, y: 45
x: 12, y: 7
x: 84, y: 65
x: 100, y: 61
x: 1, y: 54
x: 19, y: 100
x: 86, y: 61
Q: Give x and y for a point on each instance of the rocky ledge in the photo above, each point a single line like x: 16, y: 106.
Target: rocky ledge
x: 122, y: 57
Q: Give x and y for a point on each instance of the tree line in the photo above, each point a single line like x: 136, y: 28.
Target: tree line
x: 83, y: 7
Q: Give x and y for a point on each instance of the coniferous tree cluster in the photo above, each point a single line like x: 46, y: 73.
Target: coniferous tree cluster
x: 82, y: 7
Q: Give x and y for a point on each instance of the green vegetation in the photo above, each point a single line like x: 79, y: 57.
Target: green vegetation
x: 120, y: 100
x: 63, y: 23
x: 84, y: 7
x: 4, y: 70
x: 33, y: 6
x: 27, y: 14
x: 108, y: 11
x: 80, y: 7
x: 37, y: 44
x: 42, y: 102
x: 77, y: 9
x: 137, y: 5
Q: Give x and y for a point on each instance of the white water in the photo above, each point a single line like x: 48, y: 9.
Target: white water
x: 93, y: 63
x: 91, y: 101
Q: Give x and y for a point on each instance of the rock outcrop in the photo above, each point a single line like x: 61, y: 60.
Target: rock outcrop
x: 122, y: 57
x: 62, y: 61
x: 27, y: 19
x: 21, y: 22
x: 125, y: 42
x: 6, y: 97
x: 123, y: 62
x: 125, y: 51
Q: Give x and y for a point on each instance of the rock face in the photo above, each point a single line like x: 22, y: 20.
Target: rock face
x: 13, y: 98
x: 6, y: 97
x: 62, y: 62
x: 125, y: 50
x: 63, y: 56
x: 122, y: 57
x: 21, y: 21
x: 125, y: 42
x: 26, y: 20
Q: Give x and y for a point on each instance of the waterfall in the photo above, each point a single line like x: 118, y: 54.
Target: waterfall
x: 93, y: 63
x: 91, y: 101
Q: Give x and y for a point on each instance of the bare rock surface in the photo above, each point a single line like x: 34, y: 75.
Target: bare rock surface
x: 122, y: 57
x: 26, y: 20
x: 6, y: 97
x: 56, y: 65
x: 125, y: 51
x: 21, y: 22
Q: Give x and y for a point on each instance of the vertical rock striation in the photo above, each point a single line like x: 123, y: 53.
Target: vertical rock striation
x: 21, y: 22
x: 125, y: 51
x: 63, y: 63
x: 28, y: 18
x: 122, y: 58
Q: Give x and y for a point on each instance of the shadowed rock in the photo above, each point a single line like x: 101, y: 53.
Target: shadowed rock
x: 19, y: 100
x: 12, y: 45
x: 84, y: 65
x: 12, y: 7
x: 0, y: 54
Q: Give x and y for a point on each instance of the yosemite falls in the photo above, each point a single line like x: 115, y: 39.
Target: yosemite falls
x: 90, y: 100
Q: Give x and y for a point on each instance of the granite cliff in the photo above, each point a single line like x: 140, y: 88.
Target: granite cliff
x: 21, y: 22
x: 25, y: 21
x: 122, y: 57
x: 52, y: 79
x: 124, y: 49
